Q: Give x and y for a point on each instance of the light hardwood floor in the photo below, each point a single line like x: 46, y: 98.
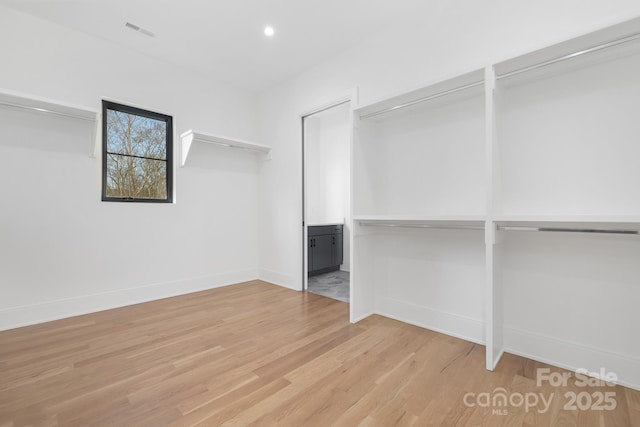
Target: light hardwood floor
x: 260, y: 355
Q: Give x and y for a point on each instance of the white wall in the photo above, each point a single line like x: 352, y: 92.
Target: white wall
x: 426, y: 161
x: 62, y: 250
x: 465, y: 35
x: 328, y: 139
x: 51, y: 61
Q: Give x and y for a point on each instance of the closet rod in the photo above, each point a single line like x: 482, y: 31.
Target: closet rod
x: 224, y: 144
x: 570, y: 56
x: 435, y: 226
x: 420, y: 100
x: 569, y: 230
x: 44, y: 110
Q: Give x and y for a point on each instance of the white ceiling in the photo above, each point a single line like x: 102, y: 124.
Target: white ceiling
x: 224, y: 39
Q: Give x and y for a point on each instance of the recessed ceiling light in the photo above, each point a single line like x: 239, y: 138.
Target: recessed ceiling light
x: 269, y: 31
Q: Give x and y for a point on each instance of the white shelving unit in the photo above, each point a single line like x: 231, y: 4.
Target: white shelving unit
x: 420, y: 209
x: 50, y: 115
x: 515, y: 187
x: 190, y: 137
x: 566, y: 204
x: 429, y: 142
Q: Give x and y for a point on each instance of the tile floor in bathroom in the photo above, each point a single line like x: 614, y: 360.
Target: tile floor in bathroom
x: 334, y: 284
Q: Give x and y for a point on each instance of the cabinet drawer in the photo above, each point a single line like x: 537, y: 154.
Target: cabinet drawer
x: 320, y: 230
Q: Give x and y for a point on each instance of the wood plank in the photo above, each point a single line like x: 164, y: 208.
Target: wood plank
x: 257, y: 354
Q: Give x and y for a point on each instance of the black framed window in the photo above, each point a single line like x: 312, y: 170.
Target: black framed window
x: 137, y: 154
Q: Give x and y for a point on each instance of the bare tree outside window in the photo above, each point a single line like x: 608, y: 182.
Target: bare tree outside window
x: 137, y: 154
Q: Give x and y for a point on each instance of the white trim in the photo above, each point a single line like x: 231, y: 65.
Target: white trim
x: 350, y: 97
x: 328, y: 105
x: 364, y: 316
x: 572, y: 356
x: 441, y: 321
x: 280, y: 279
x: 496, y: 360
x: 15, y: 317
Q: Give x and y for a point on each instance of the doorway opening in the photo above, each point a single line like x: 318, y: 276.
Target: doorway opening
x: 326, y: 142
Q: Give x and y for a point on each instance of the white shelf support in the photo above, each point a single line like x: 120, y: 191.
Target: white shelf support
x: 190, y: 137
x: 97, y: 141
x: 493, y: 288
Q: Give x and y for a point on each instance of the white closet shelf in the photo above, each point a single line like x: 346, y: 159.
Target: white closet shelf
x: 42, y: 105
x: 53, y: 108
x: 472, y: 81
x: 597, y: 41
x: 191, y: 136
x: 443, y: 220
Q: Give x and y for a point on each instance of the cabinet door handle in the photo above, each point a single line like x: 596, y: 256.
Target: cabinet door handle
x: 333, y: 240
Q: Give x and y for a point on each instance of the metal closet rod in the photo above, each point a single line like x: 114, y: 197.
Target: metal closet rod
x: 569, y: 230
x: 570, y: 56
x: 224, y: 144
x: 505, y: 228
x: 44, y: 110
x: 435, y: 226
x: 424, y: 99
x: 509, y: 74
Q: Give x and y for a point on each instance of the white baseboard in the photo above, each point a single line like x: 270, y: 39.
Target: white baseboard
x: 572, y: 356
x: 15, y: 317
x: 280, y: 279
x: 458, y: 326
x: 496, y: 360
x: 359, y: 318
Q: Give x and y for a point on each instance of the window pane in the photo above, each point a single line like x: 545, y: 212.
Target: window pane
x: 133, y: 177
x: 137, y: 154
x: 136, y: 135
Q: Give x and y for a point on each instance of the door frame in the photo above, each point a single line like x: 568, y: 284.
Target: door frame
x: 350, y: 97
